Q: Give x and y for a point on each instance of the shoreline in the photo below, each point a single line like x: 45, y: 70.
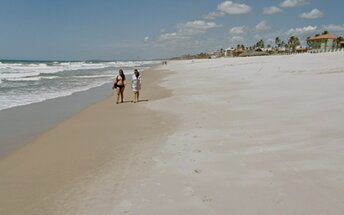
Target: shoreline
x: 66, y: 155
x: 24, y: 123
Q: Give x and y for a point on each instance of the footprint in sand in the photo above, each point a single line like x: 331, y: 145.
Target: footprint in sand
x: 206, y: 199
x: 198, y: 171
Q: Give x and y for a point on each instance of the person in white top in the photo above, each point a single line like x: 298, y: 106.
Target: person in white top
x: 136, y: 85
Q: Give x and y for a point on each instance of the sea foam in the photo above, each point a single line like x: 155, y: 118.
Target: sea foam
x: 23, y: 82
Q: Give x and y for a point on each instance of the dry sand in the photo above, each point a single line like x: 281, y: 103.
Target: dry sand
x: 259, y: 135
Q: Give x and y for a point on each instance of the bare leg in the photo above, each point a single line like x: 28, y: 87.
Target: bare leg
x: 137, y: 96
x: 118, y: 94
x: 122, y: 91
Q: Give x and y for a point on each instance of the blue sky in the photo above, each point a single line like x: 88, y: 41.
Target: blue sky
x: 145, y: 29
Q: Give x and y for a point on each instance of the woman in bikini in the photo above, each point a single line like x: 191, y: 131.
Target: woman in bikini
x: 119, y: 84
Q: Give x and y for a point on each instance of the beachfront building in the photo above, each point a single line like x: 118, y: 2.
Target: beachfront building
x: 300, y: 49
x: 229, y: 52
x: 323, y: 43
x: 282, y: 50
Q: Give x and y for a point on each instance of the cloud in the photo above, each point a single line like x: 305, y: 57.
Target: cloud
x: 333, y: 27
x: 313, y: 14
x: 187, y: 30
x: 238, y: 39
x: 232, y: 8
x: 238, y: 30
x: 271, y: 10
x: 213, y: 15
x: 146, y: 39
x: 195, y: 27
x: 301, y: 31
x: 294, y: 3
x: 228, y: 7
x: 262, y: 26
x: 168, y: 36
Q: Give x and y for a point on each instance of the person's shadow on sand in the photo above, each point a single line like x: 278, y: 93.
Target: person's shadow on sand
x: 142, y: 100
x: 132, y: 101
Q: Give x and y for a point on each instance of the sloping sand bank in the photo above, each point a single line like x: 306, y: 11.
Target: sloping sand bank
x: 54, y: 172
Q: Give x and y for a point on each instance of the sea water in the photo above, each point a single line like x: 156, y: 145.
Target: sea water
x: 27, y: 82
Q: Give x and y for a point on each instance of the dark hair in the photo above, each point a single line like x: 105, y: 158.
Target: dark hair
x: 121, y: 73
x: 137, y: 74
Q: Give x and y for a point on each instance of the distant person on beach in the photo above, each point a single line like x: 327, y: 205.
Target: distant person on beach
x: 136, y: 85
x: 119, y: 85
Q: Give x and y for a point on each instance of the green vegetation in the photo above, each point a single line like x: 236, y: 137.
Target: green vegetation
x: 280, y: 46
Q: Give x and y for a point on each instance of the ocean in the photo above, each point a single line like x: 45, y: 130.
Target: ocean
x: 27, y: 82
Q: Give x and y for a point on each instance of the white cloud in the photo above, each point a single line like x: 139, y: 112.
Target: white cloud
x: 213, y: 15
x: 168, y: 36
x: 294, y: 3
x: 238, y: 30
x: 238, y: 39
x: 333, y: 27
x: 304, y: 30
x: 313, y: 14
x: 233, y: 8
x: 195, y: 27
x: 262, y: 26
x: 146, y: 39
x: 187, y: 30
x: 271, y: 10
x: 228, y: 7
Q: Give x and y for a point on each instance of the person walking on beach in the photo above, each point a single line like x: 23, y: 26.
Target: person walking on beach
x: 119, y: 85
x: 136, y: 85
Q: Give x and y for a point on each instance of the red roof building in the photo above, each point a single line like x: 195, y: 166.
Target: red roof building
x: 323, y: 37
x: 323, y: 43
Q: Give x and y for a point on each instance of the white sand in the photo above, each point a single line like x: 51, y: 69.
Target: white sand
x: 259, y: 135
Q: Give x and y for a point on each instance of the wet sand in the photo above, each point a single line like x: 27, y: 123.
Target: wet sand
x: 37, y: 177
x: 20, y: 125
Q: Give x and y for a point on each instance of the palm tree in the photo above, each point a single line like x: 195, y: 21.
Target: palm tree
x: 293, y: 42
x: 278, y: 42
x: 222, y: 52
x: 260, y: 44
x: 338, y: 40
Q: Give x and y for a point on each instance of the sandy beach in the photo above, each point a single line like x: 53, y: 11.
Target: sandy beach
x: 257, y: 135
